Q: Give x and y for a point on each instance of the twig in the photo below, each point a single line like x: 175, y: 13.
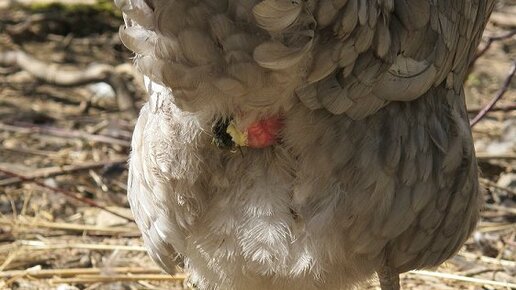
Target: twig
x: 10, y: 4
x: 488, y: 156
x: 490, y: 41
x: 120, y: 278
x: 49, y: 273
x: 32, y: 129
x: 66, y: 193
x: 98, y: 247
x: 497, y: 97
x: 499, y: 108
x: 478, y: 271
x: 485, y: 227
x: 500, y: 208
x: 58, y: 75
x: 70, y: 227
x: 60, y: 170
x: 8, y: 70
x: 492, y: 184
x: 463, y: 278
x: 501, y: 19
x: 31, y: 151
x: 11, y: 256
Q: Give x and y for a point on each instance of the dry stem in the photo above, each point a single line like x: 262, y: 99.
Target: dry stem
x: 48, y: 273
x: 66, y: 193
x: 464, y: 278
x: 60, y: 170
x: 69, y: 226
x: 33, y: 129
x: 497, y: 97
x: 58, y: 75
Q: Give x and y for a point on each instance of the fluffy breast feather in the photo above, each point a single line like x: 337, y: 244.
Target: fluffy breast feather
x: 337, y: 196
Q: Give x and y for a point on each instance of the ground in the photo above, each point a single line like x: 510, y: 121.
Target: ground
x: 71, y: 142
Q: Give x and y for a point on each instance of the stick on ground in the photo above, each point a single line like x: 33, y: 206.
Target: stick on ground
x: 497, y: 97
x: 60, y: 170
x: 66, y: 193
x: 61, y: 76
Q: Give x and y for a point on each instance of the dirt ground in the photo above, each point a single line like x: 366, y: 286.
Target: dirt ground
x: 70, y: 142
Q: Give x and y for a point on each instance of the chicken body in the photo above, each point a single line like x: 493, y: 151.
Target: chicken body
x: 374, y: 170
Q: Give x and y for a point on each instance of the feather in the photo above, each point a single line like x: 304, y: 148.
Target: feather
x: 277, y: 15
x: 374, y: 164
x: 275, y: 55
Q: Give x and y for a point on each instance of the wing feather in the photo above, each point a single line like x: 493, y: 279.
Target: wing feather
x: 378, y: 51
x: 409, y: 47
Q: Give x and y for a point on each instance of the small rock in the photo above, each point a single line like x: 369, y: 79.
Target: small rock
x: 507, y: 142
x: 66, y: 287
x: 102, y: 90
x: 106, y: 219
x: 507, y: 180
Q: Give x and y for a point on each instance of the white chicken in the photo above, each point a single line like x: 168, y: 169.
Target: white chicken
x: 303, y: 144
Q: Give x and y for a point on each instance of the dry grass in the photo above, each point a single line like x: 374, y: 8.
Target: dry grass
x: 69, y: 140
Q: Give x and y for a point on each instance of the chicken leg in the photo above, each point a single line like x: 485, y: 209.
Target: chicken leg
x: 389, y: 279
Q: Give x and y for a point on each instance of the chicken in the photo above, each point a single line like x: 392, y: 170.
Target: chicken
x: 303, y: 144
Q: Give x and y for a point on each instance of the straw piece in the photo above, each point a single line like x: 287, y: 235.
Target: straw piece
x: 119, y: 278
x: 463, y: 278
x: 49, y: 273
x: 68, y: 226
x: 46, y: 246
